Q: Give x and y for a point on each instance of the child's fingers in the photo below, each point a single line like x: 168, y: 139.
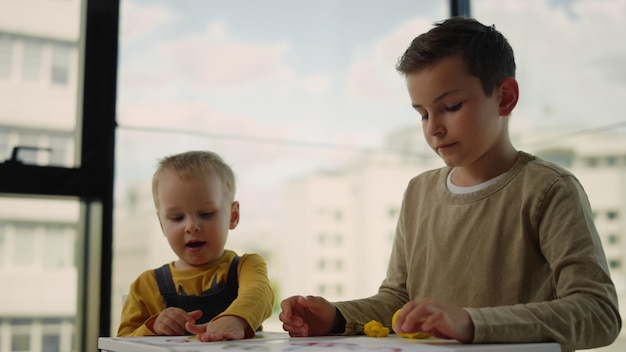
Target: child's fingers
x: 194, y: 315
x: 195, y: 328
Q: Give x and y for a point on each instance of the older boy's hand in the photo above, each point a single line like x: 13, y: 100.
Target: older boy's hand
x: 171, y: 321
x: 228, y: 327
x: 436, y: 319
x: 307, y: 316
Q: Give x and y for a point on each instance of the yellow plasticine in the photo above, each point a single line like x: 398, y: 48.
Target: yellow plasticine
x: 413, y: 335
x: 375, y: 329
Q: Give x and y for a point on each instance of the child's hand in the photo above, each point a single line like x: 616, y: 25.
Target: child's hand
x: 438, y: 320
x: 228, y: 327
x: 171, y: 321
x: 307, y: 316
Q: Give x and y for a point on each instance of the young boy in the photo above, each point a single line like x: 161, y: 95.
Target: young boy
x: 208, y: 291
x: 499, y: 245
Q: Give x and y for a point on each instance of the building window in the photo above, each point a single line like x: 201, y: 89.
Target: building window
x: 612, y: 214
x: 4, y: 145
x: 3, y: 245
x: 24, y: 255
x: 56, y: 244
x: 29, y: 156
x: 60, y: 64
x: 613, y: 239
x: 51, y: 334
x: 59, y: 149
x: 50, y: 343
x: 32, y: 60
x: 20, y: 335
x: 6, y: 55
x: 615, y: 263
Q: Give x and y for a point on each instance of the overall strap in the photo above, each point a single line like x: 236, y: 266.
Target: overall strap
x: 233, y: 277
x: 165, y: 281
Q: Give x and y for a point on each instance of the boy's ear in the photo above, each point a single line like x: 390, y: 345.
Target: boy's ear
x: 509, y: 94
x: 234, y: 215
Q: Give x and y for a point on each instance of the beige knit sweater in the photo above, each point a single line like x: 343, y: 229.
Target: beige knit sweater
x: 522, y: 256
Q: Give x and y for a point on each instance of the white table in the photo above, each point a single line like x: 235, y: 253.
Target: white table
x: 279, y: 341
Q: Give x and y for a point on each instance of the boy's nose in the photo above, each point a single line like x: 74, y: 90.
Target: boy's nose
x: 434, y: 127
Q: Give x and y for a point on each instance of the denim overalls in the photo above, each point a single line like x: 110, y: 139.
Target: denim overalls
x: 213, y: 301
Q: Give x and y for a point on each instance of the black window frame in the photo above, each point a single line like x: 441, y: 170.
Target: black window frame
x: 92, y: 180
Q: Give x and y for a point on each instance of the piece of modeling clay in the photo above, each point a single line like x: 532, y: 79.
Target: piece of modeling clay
x: 413, y: 335
x: 376, y: 329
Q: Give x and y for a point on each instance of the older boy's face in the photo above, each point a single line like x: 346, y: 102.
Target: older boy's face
x: 460, y: 123
x: 195, y: 215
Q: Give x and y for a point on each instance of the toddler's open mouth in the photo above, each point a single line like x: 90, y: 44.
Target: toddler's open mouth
x: 195, y: 244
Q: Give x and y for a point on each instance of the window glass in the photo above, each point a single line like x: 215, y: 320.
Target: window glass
x: 60, y: 64
x: 50, y: 343
x: 3, y: 245
x: 58, y: 251
x: 572, y: 82
x: 289, y: 93
x: 20, y: 334
x: 39, y: 51
x: 25, y: 245
x: 41, y: 47
x: 6, y: 55
x: 32, y: 59
x: 37, y: 249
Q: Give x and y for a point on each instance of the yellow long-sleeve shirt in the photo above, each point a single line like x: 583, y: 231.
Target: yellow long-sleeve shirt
x: 254, y: 301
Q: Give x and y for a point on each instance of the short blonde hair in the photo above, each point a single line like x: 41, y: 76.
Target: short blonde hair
x: 194, y: 164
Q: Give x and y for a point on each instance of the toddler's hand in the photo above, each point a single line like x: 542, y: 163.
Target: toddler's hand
x: 228, y: 327
x: 171, y: 321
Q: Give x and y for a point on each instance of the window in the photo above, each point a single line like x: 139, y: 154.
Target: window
x: 67, y: 208
x: 58, y: 244
x: 32, y: 62
x: 29, y: 156
x: 3, y: 246
x: 6, y: 55
x: 20, y: 335
x: 25, y: 245
x: 60, y: 64
x: 50, y: 343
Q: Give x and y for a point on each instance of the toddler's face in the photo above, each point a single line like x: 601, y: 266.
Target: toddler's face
x: 195, y: 214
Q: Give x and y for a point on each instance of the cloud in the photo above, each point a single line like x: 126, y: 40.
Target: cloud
x: 372, y: 76
x: 138, y: 21
x: 216, y: 59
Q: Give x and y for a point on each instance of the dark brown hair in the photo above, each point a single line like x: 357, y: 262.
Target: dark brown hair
x: 485, y: 51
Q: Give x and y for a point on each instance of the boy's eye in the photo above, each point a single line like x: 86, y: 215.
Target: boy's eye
x: 454, y: 107
x: 424, y: 117
x: 206, y: 214
x: 176, y: 218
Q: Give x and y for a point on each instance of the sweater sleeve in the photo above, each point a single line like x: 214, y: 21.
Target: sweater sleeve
x: 255, y: 297
x: 585, y: 312
x: 141, y: 308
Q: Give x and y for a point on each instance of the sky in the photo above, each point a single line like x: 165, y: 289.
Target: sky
x: 281, y: 88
